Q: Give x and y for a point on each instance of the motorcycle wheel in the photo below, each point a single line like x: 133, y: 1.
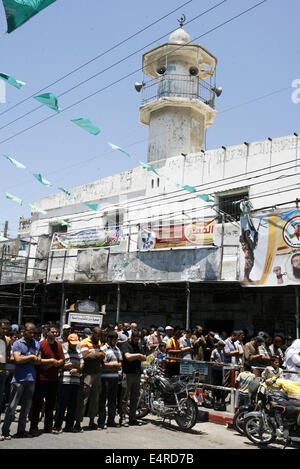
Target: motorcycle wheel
x: 189, y: 417
x: 142, y: 408
x: 258, y: 433
x: 238, y: 420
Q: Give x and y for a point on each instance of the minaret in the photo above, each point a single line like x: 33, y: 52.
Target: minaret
x: 178, y: 101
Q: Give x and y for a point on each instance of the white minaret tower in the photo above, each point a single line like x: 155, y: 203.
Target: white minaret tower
x: 178, y: 103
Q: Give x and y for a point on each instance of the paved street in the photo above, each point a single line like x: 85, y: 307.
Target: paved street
x: 152, y: 435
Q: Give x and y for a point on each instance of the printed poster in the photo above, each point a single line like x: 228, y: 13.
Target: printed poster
x: 198, y: 233
x: 270, y: 249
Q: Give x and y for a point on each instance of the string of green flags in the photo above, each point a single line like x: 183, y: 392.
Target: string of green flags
x: 44, y: 182
x: 190, y: 189
x: 51, y: 101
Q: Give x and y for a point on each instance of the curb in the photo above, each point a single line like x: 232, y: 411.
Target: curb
x: 212, y: 416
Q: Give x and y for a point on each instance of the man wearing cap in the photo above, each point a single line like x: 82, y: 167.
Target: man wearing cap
x: 52, y: 358
x: 169, y: 333
x: 65, y: 332
x: 91, y: 386
x: 69, y: 385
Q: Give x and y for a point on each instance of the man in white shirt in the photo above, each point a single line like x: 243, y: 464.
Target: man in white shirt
x: 133, y: 327
x: 110, y: 377
x: 240, y: 347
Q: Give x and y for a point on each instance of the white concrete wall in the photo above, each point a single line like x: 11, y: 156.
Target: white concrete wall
x: 215, y: 172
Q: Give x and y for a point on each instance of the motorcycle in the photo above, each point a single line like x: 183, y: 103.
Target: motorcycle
x: 169, y: 398
x: 277, y: 419
x: 253, y: 405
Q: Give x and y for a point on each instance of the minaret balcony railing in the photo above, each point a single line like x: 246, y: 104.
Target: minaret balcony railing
x: 178, y: 86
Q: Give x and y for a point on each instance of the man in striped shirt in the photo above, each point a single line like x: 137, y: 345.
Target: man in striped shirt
x: 110, y: 377
x: 69, y: 385
x: 91, y: 386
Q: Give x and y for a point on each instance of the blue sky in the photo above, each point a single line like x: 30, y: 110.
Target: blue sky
x: 257, y: 54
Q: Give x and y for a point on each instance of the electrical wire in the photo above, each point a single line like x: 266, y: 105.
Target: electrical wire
x: 128, y: 75
x: 134, y: 205
x: 202, y: 188
x: 83, y: 82
x: 102, y: 54
x: 176, y: 49
x: 167, y: 215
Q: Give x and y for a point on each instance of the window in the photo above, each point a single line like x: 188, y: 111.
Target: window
x: 58, y: 229
x: 226, y: 205
x: 114, y: 219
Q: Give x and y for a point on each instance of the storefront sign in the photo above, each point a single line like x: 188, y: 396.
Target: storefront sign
x: 79, y: 322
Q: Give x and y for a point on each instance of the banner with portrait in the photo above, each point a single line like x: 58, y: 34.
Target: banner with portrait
x: 197, y: 233
x: 270, y: 249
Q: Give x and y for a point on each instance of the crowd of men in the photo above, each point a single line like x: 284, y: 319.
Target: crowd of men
x: 67, y: 377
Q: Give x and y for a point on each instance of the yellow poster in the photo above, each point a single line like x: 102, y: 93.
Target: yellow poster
x: 270, y: 249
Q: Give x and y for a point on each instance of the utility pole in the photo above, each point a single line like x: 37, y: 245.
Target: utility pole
x: 118, y: 303
x: 188, y: 306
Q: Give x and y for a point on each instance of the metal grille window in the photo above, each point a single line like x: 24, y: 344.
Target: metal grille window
x: 58, y: 229
x: 114, y: 219
x: 226, y: 205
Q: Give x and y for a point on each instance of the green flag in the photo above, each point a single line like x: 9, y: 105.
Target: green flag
x: 147, y: 166
x: 49, y: 99
x: 14, y: 162
x: 12, y: 81
x: 93, y: 206
x: 42, y: 180
x: 35, y: 209
x: 63, y: 222
x: 187, y: 188
x: 205, y: 197
x: 67, y: 192
x: 87, y: 125
x: 115, y: 147
x: 14, y: 198
x: 19, y: 11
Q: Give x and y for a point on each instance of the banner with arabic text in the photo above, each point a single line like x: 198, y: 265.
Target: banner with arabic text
x: 198, y: 233
x: 87, y: 239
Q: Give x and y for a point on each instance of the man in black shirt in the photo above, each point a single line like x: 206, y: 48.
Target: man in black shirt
x: 132, y: 357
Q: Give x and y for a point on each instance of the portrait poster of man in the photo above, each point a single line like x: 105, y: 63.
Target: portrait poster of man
x: 270, y: 249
